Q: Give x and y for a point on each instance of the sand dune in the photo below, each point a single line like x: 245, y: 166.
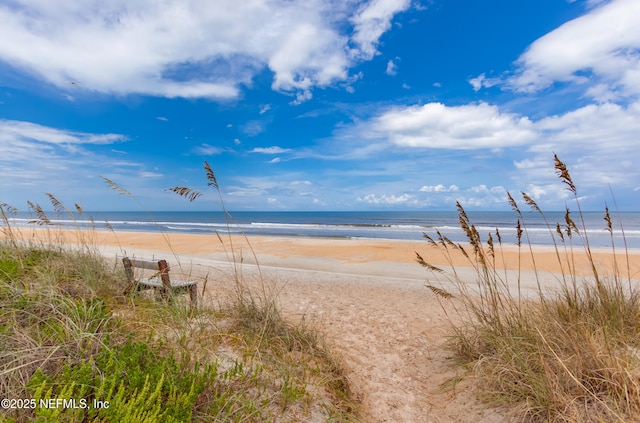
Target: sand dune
x: 367, y: 296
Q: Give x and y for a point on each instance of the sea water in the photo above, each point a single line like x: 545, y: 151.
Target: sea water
x: 396, y: 225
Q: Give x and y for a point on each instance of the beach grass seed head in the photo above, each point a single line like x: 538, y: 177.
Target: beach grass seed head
x: 188, y: 193
x: 530, y: 202
x: 440, y: 292
x: 116, y: 187
x: 43, y: 219
x: 607, y: 218
x: 426, y: 265
x: 513, y: 203
x: 211, y: 177
x: 563, y: 174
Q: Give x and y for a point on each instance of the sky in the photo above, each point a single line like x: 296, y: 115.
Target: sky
x: 319, y: 104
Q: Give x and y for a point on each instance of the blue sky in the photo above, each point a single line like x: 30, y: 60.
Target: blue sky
x: 320, y: 105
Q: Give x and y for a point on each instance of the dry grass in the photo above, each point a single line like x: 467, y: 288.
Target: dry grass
x: 569, y: 354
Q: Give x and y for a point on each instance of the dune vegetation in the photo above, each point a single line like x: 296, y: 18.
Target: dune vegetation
x: 73, y: 348
x: 569, y: 353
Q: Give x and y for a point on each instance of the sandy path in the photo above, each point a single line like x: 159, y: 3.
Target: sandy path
x: 389, y: 332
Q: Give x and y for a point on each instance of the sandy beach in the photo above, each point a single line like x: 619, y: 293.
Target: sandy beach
x: 367, y: 296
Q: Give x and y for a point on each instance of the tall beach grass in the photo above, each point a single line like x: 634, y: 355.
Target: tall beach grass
x: 569, y: 352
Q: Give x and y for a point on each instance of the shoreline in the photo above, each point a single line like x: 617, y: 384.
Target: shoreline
x: 299, y: 251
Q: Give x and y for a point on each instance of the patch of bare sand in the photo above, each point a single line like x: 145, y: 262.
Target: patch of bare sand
x: 391, y: 335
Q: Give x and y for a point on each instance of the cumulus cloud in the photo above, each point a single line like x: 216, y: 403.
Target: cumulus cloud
x: 600, y: 141
x: 601, y: 47
x: 192, y: 48
x: 435, y: 125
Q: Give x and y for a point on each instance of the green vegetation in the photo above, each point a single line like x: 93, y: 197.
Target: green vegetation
x: 571, y: 354
x: 71, y: 343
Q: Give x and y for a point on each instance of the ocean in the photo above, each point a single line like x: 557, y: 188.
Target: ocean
x: 408, y: 225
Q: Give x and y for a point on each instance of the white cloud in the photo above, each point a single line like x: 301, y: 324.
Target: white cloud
x: 144, y: 174
x: 435, y: 125
x: 285, y: 187
x: 392, y: 68
x: 371, y: 21
x: 192, y: 48
x: 548, y: 192
x: 207, y: 150
x: 14, y: 131
x: 439, y: 188
x: 600, y: 47
x: 59, y: 160
x: 481, y: 81
x: 596, y: 140
x: 608, y: 126
x: 483, y: 189
x: 264, y: 109
x: 483, y: 196
x: 385, y: 199
x: 599, y: 142
x: 270, y: 150
x: 253, y: 128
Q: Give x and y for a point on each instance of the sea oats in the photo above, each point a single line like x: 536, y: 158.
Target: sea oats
x: 513, y: 203
x: 571, y: 225
x: 185, y: 192
x: 58, y: 207
x: 499, y: 236
x: 490, y: 244
x: 440, y: 292
x: 108, y: 226
x: 563, y: 173
x: 43, y: 219
x: 559, y: 232
x: 426, y: 265
x: 8, y: 208
x: 519, y: 233
x: 607, y: 218
x: 114, y: 186
x: 530, y: 202
x: 429, y: 239
x: 211, y: 177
